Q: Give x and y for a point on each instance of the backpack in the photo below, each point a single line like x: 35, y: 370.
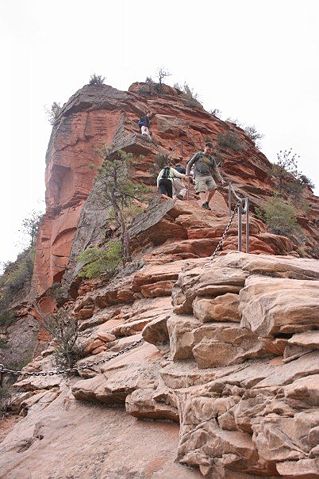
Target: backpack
x: 141, y: 122
x: 166, y: 173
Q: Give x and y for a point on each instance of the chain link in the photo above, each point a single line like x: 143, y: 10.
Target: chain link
x: 222, y: 239
x: 3, y: 369
x: 54, y: 372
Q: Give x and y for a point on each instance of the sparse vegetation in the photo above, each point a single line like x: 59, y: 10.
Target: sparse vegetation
x: 65, y: 331
x: 6, y: 319
x: 30, y: 226
x: 253, y: 134
x: 59, y: 293
x: 216, y: 112
x: 5, y: 398
x: 229, y: 140
x: 53, y: 112
x: 98, y: 261
x: 96, y: 80
x: 120, y: 191
x: 161, y: 74
x: 290, y: 181
x: 190, y: 96
x: 279, y: 216
x: 16, y: 278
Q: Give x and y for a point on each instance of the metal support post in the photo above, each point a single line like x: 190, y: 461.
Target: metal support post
x: 240, y: 210
x: 247, y: 225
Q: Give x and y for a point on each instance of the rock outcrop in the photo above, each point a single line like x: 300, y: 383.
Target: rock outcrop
x: 193, y: 367
x: 225, y: 359
x: 99, y: 115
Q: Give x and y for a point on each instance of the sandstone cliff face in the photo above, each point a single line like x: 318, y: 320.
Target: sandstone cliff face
x: 99, y: 115
x: 224, y: 351
x: 229, y: 358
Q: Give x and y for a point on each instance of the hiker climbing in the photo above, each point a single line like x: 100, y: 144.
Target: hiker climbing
x: 166, y: 178
x: 179, y: 189
x: 205, y: 172
x: 144, y: 124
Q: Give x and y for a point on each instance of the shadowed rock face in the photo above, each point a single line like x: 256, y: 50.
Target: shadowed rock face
x: 99, y: 115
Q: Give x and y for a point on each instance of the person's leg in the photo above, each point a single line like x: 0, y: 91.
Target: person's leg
x: 169, y: 188
x: 162, y: 187
x: 146, y: 132
x: 165, y: 187
x: 211, y: 189
x: 202, y: 190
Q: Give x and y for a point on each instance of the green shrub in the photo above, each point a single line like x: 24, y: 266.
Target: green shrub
x: 16, y: 279
x: 280, y: 216
x: 54, y: 112
x: 304, y: 180
x: 5, y: 396
x: 96, y: 80
x: 98, y: 261
x: 6, y: 319
x: 253, y: 134
x: 229, y: 140
x: 65, y: 331
x: 3, y: 344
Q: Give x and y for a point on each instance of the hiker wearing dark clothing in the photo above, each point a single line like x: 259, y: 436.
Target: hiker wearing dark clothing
x: 165, y: 180
x: 144, y: 123
x: 206, y: 172
x: 179, y: 189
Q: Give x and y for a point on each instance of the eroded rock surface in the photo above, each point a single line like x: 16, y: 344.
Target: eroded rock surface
x: 217, y: 364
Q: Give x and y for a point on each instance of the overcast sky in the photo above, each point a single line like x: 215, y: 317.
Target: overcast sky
x: 256, y: 61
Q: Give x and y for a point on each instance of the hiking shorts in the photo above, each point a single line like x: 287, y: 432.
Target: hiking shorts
x: 145, y: 131
x: 204, y: 183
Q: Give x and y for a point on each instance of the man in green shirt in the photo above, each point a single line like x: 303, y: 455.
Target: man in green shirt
x: 205, y: 172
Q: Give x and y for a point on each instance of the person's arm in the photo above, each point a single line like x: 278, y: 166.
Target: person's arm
x: 177, y: 174
x: 159, y: 177
x: 190, y: 163
x: 217, y: 172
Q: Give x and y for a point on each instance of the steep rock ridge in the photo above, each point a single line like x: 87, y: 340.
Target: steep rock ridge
x: 230, y: 347
x: 98, y: 115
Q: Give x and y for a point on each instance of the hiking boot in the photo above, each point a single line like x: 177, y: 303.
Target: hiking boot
x: 206, y: 206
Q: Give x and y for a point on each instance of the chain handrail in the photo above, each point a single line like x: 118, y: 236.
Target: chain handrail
x: 243, y: 208
x: 76, y: 369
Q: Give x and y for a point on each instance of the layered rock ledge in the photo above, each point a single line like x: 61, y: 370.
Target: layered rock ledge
x: 230, y: 358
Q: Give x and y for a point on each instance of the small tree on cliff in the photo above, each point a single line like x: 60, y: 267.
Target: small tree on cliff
x: 120, y: 191
x: 53, y: 112
x: 30, y: 226
x: 96, y: 80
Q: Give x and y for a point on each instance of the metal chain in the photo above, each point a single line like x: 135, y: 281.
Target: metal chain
x: 222, y: 239
x: 3, y: 369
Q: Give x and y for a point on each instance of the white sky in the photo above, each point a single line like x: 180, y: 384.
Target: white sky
x: 256, y: 61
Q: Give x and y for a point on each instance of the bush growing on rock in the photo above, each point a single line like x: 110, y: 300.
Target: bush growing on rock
x: 280, y: 216
x: 253, y: 134
x: 65, y: 331
x: 99, y: 261
x: 16, y: 278
x: 229, y: 140
x: 96, y: 80
x: 53, y: 112
x: 6, y: 319
x: 290, y: 181
x: 120, y: 191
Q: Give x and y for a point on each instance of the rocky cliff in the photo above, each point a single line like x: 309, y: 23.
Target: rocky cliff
x: 193, y: 366
x: 99, y: 115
